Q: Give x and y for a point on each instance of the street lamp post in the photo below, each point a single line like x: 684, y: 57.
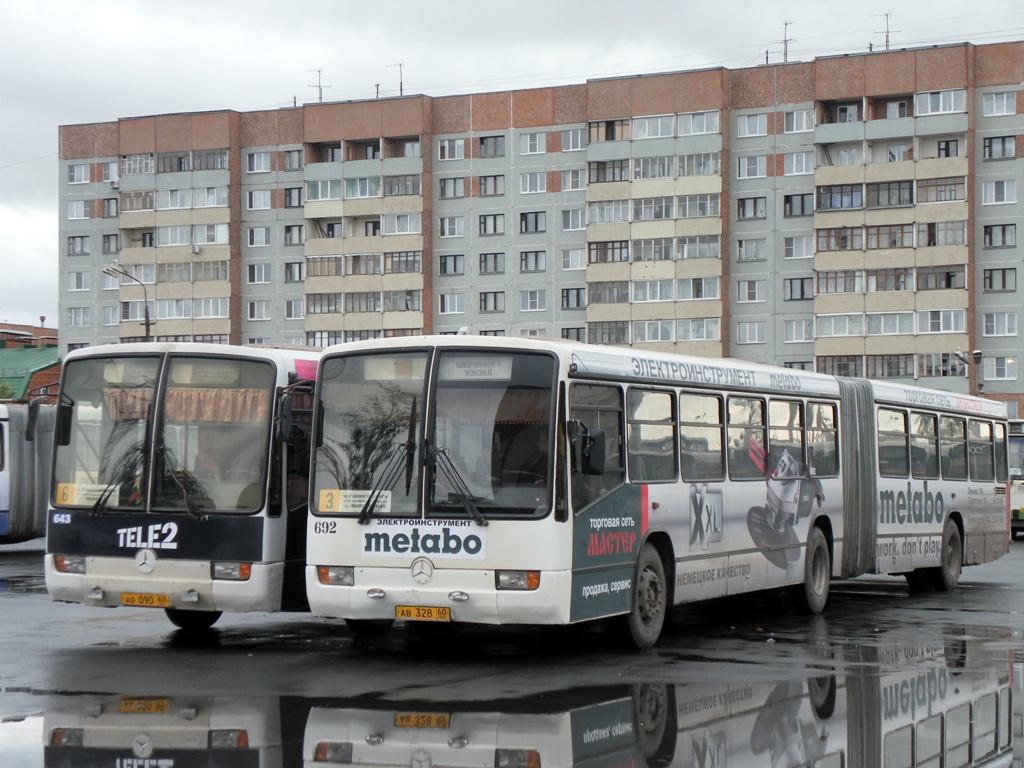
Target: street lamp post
x: 116, y: 271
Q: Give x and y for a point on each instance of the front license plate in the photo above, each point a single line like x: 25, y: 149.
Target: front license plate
x: 142, y: 600
x: 142, y: 706
x: 422, y: 613
x: 422, y: 720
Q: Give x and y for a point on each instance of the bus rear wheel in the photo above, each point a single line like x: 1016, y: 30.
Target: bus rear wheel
x: 812, y: 595
x: 192, y: 620
x: 947, y: 575
x: 642, y: 626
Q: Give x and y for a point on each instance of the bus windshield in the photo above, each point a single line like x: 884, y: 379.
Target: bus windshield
x: 209, y: 450
x: 486, y: 449
x: 1016, y: 449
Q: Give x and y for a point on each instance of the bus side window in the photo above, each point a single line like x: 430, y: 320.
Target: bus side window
x: 597, y: 406
x: 822, y: 440
x: 650, y: 436
x: 924, y: 445
x: 953, y: 437
x: 892, y: 443
x: 979, y: 443
x: 747, y: 439
x: 1002, y: 473
x: 700, y: 437
x: 785, y: 431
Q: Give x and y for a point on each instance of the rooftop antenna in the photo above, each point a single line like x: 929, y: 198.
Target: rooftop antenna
x: 786, y: 39
x: 887, y: 14
x: 401, y: 68
x: 319, y: 84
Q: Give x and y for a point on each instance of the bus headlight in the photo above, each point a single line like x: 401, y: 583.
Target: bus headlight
x: 232, y: 571
x: 69, y: 563
x: 516, y: 758
x: 333, y: 752
x: 520, y: 580
x: 336, y: 575
x: 229, y: 739
x: 67, y: 737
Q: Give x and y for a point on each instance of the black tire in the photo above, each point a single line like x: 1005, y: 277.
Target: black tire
x: 192, y: 620
x: 368, y: 627
x: 919, y: 579
x: 812, y: 594
x: 654, y: 708
x: 642, y: 626
x: 822, y: 693
x: 947, y: 575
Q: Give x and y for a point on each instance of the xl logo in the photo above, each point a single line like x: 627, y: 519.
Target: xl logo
x: 705, y: 516
x: 709, y: 750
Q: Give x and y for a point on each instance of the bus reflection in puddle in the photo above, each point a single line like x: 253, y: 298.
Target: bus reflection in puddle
x: 902, y: 703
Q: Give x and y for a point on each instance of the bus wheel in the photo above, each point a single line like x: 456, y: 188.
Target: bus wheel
x: 947, y: 575
x: 642, y: 625
x: 192, y: 620
x: 812, y: 595
x: 369, y: 626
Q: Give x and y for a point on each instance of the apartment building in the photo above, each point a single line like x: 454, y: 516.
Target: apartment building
x: 854, y: 214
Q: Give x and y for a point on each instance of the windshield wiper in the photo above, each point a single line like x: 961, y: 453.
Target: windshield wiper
x: 460, y: 490
x: 190, y: 505
x: 385, y: 481
x: 127, y: 467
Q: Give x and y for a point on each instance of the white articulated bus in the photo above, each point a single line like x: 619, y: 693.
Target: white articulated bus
x: 26, y: 445
x: 180, y: 478
x: 513, y: 481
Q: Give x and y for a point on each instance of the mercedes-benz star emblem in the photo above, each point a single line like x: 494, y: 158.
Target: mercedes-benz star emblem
x: 420, y: 758
x: 145, y: 560
x: 422, y: 570
x: 142, y: 746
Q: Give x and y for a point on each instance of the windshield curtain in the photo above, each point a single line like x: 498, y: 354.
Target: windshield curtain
x: 371, y: 408
x: 493, y: 422
x: 213, y: 443
x: 111, y: 401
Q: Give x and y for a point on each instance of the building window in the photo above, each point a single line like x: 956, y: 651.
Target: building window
x: 940, y: 278
x: 452, y: 187
x: 573, y: 259
x: 294, y: 272
x: 653, y: 249
x: 799, y: 330
x: 174, y: 309
x: 109, y: 171
x: 600, y: 172
x: 949, y: 148
x: 451, y: 304
x: 605, y: 252
x: 609, y: 211
x: 111, y: 282
x: 752, y: 332
x: 698, y: 329
x: 110, y: 315
x: 574, y: 219
x: 173, y: 198
x: 210, y: 234
x: 886, y: 280
x: 450, y: 226
x: 533, y: 261
x: 531, y: 143
x: 292, y: 159
x: 533, y: 221
x: 362, y: 301
x: 890, y: 236
x: 936, y: 364
x: 574, y: 298
x: 999, y: 148
x: 492, y: 186
x: 697, y: 288
x: 1000, y: 324
x: 752, y: 125
x: 652, y: 330
x: 653, y: 208
x: 848, y: 113
x: 994, y: 104
x: 751, y: 167
x: 78, y: 245
x: 750, y: 208
x: 799, y: 121
x: 362, y: 264
x: 702, y: 164
x: 79, y: 316
x: 259, y: 310
x: 899, y: 153
x: 492, y: 224
x: 492, y: 263
x: 797, y: 288
x: 259, y: 274
x: 77, y: 209
x: 572, y: 180
x: 839, y: 325
x: 698, y: 206
x: 172, y: 162
x: 110, y: 244
x: 258, y: 162
x: 749, y: 291
x: 607, y: 130
x: 450, y: 149
x: 1000, y: 280
x: 210, y: 197
x: 654, y: 127
x: 1000, y: 235
x: 841, y: 239
x: 328, y: 189
x: 889, y: 367
x: 573, y: 140
x: 402, y: 301
x: 798, y: 163
x: 941, y: 190
x: 999, y: 192
x: 78, y: 173
x: 110, y: 208
x: 798, y: 247
x: 259, y: 236
x: 78, y: 281
x: 645, y: 291
x: 401, y: 223
x: 995, y: 368
x: 941, y: 233
x: 895, y: 110
x: 841, y: 281
x: 361, y: 188
x: 452, y: 264
x: 532, y: 301
x: 609, y: 292
x: 323, y: 303
x: 574, y: 334
x: 132, y: 164
x: 698, y: 122
x: 293, y: 197
x: 402, y: 262
x: 940, y: 321
x: 492, y: 301
x: 890, y: 194
x: 798, y: 205
x: 890, y: 323
x: 938, y: 102
x: 401, y: 185
x: 700, y: 247
x: 751, y: 250
x: 259, y: 199
x: 492, y: 146
x: 293, y: 234
x: 530, y: 183
x: 841, y: 365
x: 840, y: 196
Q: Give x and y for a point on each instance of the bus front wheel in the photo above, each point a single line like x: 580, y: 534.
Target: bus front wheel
x: 947, y: 575
x: 643, y: 624
x: 192, y: 620
x: 812, y: 595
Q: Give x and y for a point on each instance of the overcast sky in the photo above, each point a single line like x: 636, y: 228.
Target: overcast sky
x: 64, y: 62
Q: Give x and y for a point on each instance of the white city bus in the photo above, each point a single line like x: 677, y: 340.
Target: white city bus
x: 1016, y: 451
x: 512, y: 481
x: 180, y: 478
x: 26, y: 445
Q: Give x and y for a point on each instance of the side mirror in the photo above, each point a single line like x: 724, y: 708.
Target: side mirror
x: 284, y: 419
x: 33, y: 417
x: 593, y: 452
x: 62, y: 425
